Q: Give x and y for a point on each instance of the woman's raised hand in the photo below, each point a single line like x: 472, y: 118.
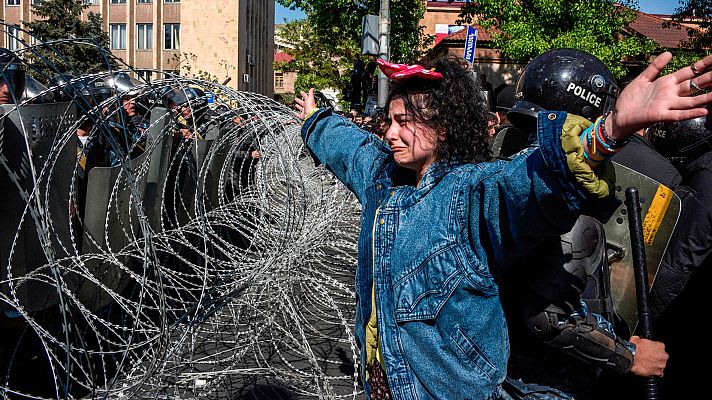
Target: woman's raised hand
x: 649, y: 99
x: 305, y: 105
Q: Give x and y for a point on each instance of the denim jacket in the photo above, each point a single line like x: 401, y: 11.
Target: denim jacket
x: 433, y: 251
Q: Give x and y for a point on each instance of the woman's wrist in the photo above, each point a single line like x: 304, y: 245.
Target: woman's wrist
x: 311, y: 112
x: 611, y: 132
x: 613, y: 128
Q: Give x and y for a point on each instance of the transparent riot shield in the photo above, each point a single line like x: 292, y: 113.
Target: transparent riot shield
x: 660, y: 210
x: 37, y: 165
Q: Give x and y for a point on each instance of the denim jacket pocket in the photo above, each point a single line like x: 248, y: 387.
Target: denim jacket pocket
x: 466, y: 348
x: 421, y: 293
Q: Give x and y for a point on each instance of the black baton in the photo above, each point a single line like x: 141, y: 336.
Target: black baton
x: 640, y: 270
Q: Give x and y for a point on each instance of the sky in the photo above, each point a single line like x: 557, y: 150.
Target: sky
x: 658, y: 6
x: 281, y: 13
x: 648, y: 6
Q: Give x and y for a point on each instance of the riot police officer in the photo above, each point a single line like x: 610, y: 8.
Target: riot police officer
x: 654, y: 160
x: 682, y: 283
x: 194, y: 113
x: 543, y: 298
x: 683, y: 142
x: 133, y: 119
x: 12, y: 80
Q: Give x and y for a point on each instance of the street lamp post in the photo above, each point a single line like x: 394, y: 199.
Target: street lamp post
x: 384, y: 34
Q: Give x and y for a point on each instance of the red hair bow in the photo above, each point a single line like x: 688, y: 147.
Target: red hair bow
x: 401, y: 72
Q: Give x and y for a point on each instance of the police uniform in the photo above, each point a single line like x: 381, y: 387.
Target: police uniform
x: 640, y: 155
x: 548, y: 321
x: 679, y: 295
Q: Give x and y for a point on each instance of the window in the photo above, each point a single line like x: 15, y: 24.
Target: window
x: 279, y: 80
x: 171, y: 1
x: 36, y: 2
x: 118, y: 1
x: 145, y: 75
x: 117, y: 36
x: 13, y: 2
x: 13, y: 37
x: 94, y: 2
x: 171, y: 36
x: 144, y: 36
x: 144, y: 1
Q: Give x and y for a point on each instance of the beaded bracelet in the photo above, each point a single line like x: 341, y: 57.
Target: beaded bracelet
x: 587, y: 136
x: 598, y: 146
x: 616, y: 144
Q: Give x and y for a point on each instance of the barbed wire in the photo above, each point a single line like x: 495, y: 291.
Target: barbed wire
x: 216, y: 265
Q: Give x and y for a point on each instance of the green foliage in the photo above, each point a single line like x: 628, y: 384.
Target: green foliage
x: 699, y: 11
x: 339, y: 22
x: 287, y: 99
x: 183, y: 63
x: 318, y: 60
x: 528, y: 28
x: 61, y: 19
x: 682, y: 59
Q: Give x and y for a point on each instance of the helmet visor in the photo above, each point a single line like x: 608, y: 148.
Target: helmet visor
x: 12, y: 83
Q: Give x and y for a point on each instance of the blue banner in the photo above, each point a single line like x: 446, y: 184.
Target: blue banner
x: 470, y: 44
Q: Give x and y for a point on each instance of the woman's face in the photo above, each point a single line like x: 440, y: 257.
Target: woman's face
x: 413, y: 143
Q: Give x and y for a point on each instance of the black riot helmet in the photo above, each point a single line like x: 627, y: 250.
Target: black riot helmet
x: 60, y: 86
x: 189, y: 99
x: 682, y: 142
x: 12, y: 79
x: 197, y: 98
x: 124, y: 83
x: 564, y: 80
x: 35, y: 92
x: 88, y: 93
x: 172, y: 97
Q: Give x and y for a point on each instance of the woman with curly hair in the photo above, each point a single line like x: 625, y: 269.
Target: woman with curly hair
x: 439, y: 223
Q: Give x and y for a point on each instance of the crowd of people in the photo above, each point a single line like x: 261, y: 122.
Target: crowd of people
x: 462, y: 259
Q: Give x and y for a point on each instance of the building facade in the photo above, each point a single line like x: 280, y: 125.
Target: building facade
x: 230, y: 40
x: 440, y: 20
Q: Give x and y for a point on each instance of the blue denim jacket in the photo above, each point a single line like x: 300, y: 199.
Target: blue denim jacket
x: 433, y: 251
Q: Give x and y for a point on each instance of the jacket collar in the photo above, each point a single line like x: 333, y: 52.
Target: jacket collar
x: 435, y: 172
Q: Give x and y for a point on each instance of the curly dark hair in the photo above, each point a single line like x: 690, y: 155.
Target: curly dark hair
x: 454, y: 103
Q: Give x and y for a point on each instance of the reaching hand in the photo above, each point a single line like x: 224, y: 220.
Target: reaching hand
x: 305, y: 105
x: 671, y: 98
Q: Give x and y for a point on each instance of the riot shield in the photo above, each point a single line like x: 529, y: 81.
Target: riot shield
x: 661, y: 210
x: 201, y: 147
x: 159, y: 145
x: 37, y: 165
x: 112, y: 221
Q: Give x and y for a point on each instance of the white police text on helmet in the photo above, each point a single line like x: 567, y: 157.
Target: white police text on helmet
x: 584, y: 94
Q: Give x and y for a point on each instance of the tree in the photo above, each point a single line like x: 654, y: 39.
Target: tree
x: 699, y: 11
x: 185, y: 62
x: 317, y: 60
x: 524, y: 29
x: 700, y: 42
x: 61, y: 19
x: 340, y: 22
x: 327, y: 42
